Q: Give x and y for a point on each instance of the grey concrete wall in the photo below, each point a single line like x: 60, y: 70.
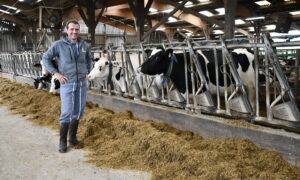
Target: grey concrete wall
x: 286, y: 143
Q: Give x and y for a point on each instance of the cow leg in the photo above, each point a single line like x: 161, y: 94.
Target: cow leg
x: 52, y: 86
x: 40, y: 85
x: 251, y: 96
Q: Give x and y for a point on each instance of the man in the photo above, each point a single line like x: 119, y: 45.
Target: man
x: 74, y: 63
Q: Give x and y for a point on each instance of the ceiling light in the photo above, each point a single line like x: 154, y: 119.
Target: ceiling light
x: 255, y: 18
x: 10, y: 7
x: 152, y: 10
x: 6, y: 12
x: 206, y: 13
x: 203, y: 0
x: 21, y: 0
x: 251, y: 28
x: 239, y: 21
x: 189, y: 3
x: 188, y: 30
x: 167, y: 10
x: 218, y: 32
x: 294, y: 32
x: 221, y: 11
x: 171, y: 19
x: 294, y: 13
x: 262, y: 3
x: 188, y: 34
x: 160, y: 29
x: 270, y: 27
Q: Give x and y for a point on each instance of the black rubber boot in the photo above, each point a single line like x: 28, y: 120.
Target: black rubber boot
x: 72, y: 134
x: 63, y: 137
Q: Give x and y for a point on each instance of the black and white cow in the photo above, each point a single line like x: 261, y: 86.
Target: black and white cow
x: 46, y: 78
x: 103, y: 69
x: 159, y: 62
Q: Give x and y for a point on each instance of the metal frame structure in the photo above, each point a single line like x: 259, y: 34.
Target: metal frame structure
x: 285, y: 113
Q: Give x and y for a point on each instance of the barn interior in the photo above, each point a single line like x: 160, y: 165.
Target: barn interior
x: 202, y: 19
x: 271, y: 28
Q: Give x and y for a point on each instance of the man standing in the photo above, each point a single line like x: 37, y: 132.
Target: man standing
x: 74, y: 63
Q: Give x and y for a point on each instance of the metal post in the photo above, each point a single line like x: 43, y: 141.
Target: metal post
x: 217, y: 80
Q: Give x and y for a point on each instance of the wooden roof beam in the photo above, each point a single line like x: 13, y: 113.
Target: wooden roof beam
x: 203, y: 17
x: 190, y: 18
x: 15, y: 20
x: 18, y: 5
x: 72, y: 13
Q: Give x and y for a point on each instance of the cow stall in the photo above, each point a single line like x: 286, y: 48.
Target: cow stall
x: 272, y: 100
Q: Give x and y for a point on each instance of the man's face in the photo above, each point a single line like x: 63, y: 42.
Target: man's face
x: 73, y: 31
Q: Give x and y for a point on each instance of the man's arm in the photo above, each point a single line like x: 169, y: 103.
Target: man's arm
x: 88, y: 59
x: 47, y: 59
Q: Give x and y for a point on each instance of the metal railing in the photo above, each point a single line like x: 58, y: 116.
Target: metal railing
x: 278, y: 105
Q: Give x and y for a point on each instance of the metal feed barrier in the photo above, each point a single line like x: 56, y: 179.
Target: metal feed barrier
x: 236, y: 101
x: 281, y: 108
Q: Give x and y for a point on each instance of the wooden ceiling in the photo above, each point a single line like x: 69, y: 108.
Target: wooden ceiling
x: 118, y: 13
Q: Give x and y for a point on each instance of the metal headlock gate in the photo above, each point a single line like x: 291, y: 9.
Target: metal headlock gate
x: 282, y: 109
x: 21, y: 63
x: 236, y: 102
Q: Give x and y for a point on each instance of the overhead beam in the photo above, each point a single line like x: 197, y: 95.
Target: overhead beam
x: 126, y: 13
x: 203, y: 17
x: 165, y: 18
x: 109, y: 3
x: 72, y: 13
x: 15, y: 19
x: 17, y: 4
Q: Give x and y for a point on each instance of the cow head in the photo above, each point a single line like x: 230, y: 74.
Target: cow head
x: 100, y: 70
x: 158, y: 62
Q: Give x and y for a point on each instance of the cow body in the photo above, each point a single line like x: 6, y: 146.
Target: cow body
x: 159, y: 62
x: 103, y: 69
x: 46, y: 78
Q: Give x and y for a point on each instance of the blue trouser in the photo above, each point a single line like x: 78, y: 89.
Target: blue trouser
x: 73, y: 99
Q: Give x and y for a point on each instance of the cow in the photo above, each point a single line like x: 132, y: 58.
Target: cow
x: 46, y: 78
x: 105, y: 70
x: 160, y: 59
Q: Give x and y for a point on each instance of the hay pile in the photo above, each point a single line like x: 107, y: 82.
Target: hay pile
x: 122, y: 141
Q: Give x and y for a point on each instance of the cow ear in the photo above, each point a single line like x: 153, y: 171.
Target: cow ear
x: 169, y: 53
x: 96, y: 59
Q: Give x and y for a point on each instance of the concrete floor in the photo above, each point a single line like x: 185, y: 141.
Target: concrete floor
x: 29, y: 152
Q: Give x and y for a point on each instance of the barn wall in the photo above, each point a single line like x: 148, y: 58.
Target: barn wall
x: 7, y: 42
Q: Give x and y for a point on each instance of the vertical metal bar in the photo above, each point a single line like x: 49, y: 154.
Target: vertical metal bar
x: 140, y: 62
x: 225, y: 82
x: 217, y: 79
x: 126, y: 74
x: 186, y: 79
x: 296, y: 83
x: 193, y: 80
x: 269, y: 116
x: 256, y: 81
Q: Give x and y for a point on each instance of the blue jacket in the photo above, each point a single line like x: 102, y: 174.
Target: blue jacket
x: 73, y: 68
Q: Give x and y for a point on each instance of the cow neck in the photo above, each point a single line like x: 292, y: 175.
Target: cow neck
x: 169, y: 71
x: 109, y: 78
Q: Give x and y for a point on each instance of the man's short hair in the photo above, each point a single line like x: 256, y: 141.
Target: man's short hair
x: 74, y: 21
